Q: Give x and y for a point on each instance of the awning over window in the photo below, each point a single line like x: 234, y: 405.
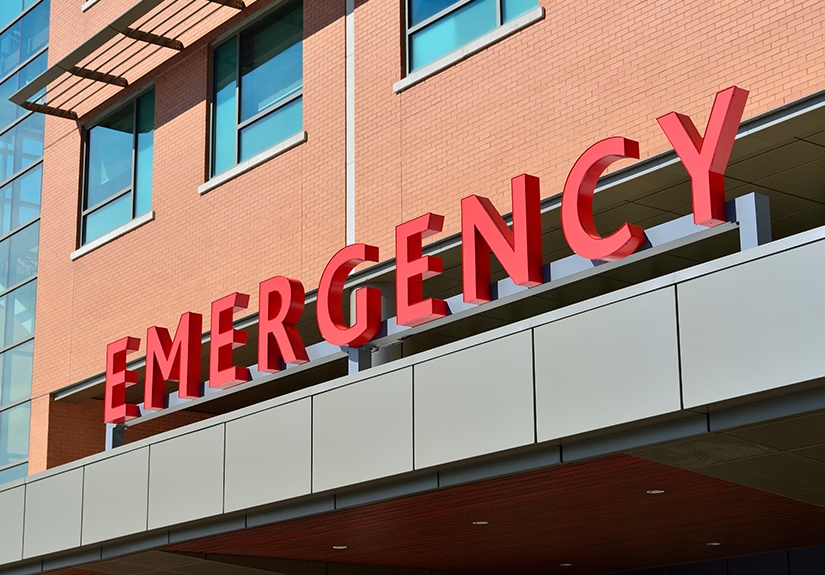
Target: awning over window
x: 136, y: 42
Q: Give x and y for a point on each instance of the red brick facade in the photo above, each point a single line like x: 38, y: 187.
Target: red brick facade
x: 529, y: 103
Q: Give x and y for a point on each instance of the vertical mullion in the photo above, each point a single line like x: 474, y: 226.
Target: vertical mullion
x: 237, y: 98
x: 407, y: 39
x: 134, y: 154
x: 499, y: 13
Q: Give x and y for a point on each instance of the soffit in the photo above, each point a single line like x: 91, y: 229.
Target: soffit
x: 134, y: 43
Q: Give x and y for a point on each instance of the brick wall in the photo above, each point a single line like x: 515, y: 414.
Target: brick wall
x: 530, y: 103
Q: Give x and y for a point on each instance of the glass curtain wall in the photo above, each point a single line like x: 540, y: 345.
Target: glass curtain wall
x: 24, y: 36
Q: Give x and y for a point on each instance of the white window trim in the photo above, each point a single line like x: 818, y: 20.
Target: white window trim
x: 468, y: 50
x: 252, y: 162
x: 113, y: 235
x: 88, y: 4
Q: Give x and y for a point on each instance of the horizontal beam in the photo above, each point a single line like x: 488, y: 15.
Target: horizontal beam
x: 99, y: 76
x: 150, y: 38
x: 231, y: 3
x: 43, y: 109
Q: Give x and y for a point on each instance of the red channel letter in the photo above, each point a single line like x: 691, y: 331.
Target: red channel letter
x: 705, y: 159
x: 223, y: 339
x: 118, y: 378
x: 178, y: 360
x: 577, y: 204
x: 518, y: 250
x: 330, y: 298
x: 282, y: 303
x: 412, y: 269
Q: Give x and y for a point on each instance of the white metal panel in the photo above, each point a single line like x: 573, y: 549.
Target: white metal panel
x: 53, y: 513
x: 363, y: 431
x: 753, y: 327
x: 115, y: 495
x: 607, y: 366
x: 475, y: 401
x: 269, y: 456
x: 11, y: 526
x: 186, y: 477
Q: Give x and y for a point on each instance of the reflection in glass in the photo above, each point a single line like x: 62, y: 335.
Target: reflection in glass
x: 271, y: 129
x: 106, y: 218
x: 17, y: 313
x: 119, y: 178
x: 24, y: 38
x: 258, y: 81
x: 21, y: 146
x: 225, y: 118
x: 12, y: 473
x: 271, y: 62
x: 511, y: 9
x: 18, y: 256
x: 14, y: 434
x: 20, y: 200
x: 451, y: 32
x: 16, y: 370
x: 145, y: 147
x: 9, y: 112
x: 110, y: 157
x: 420, y: 10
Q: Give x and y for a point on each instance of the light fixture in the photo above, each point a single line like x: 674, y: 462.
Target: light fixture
x: 339, y: 547
x: 480, y: 522
x: 565, y: 564
x: 655, y: 491
x: 714, y: 544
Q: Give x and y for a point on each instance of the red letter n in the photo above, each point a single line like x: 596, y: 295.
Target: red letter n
x: 518, y: 250
x: 178, y: 360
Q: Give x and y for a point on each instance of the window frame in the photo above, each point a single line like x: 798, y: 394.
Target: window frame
x: 410, y: 31
x: 234, y: 35
x: 132, y: 101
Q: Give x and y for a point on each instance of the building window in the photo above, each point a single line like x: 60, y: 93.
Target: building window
x: 437, y: 27
x: 257, y: 87
x: 118, y: 184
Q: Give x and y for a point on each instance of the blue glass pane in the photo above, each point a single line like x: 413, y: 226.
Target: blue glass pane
x: 17, y: 308
x: 420, y: 10
x: 225, y: 120
x: 9, y: 9
x: 21, y: 146
x: 13, y: 473
x: 514, y: 8
x: 20, y: 200
x: 271, y: 61
x: 110, y: 157
x: 451, y: 32
x: 145, y: 147
x: 16, y: 382
x: 271, y: 129
x: 14, y: 434
x: 106, y: 218
x: 18, y: 256
x: 9, y: 111
x: 24, y: 38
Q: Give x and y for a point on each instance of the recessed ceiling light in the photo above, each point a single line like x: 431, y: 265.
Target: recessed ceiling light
x: 339, y: 547
x: 565, y: 564
x: 655, y: 491
x: 480, y: 522
x: 714, y: 544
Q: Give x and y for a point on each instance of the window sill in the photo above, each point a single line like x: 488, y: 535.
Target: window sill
x: 252, y: 162
x: 88, y: 4
x: 114, y: 234
x: 467, y: 50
